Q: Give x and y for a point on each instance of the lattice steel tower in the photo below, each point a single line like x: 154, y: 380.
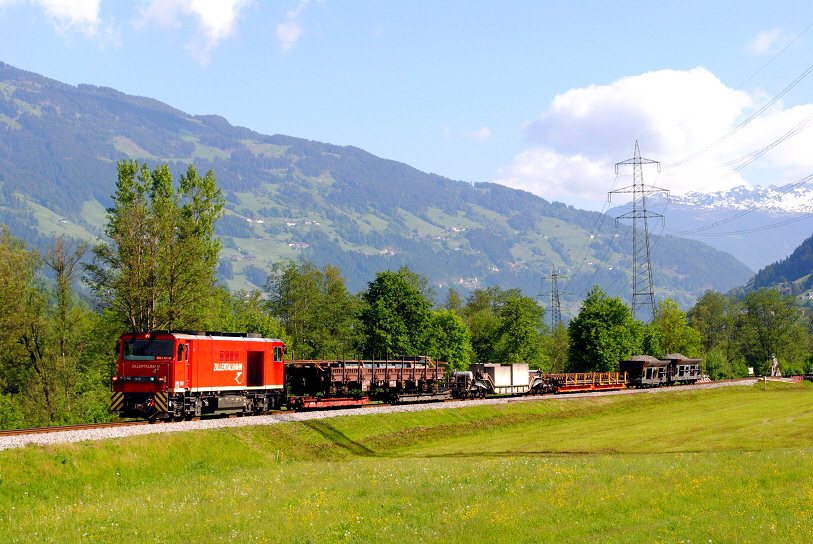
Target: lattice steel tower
x: 555, y: 303
x: 643, y: 295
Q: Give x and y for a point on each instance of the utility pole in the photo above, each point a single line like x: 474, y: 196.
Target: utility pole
x: 643, y: 295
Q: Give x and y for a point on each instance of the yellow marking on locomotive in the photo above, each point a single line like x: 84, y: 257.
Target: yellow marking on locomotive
x: 117, y: 401
x: 161, y: 402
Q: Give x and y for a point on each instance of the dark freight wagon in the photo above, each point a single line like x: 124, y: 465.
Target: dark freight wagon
x: 647, y: 371
x: 314, y: 384
x: 170, y: 375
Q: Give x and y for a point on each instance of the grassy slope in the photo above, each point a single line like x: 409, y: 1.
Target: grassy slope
x: 717, y: 465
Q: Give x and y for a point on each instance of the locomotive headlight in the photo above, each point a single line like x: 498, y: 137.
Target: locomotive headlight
x: 114, y: 378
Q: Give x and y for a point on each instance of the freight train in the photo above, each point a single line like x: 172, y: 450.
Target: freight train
x: 162, y: 375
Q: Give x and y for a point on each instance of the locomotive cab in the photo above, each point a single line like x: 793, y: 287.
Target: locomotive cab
x: 142, y: 371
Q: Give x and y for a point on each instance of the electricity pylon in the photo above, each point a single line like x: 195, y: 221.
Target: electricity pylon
x: 643, y: 295
x: 555, y: 303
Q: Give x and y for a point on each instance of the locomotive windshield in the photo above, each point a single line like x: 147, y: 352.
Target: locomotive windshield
x: 143, y: 350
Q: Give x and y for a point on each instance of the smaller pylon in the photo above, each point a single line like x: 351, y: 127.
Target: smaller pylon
x: 555, y: 302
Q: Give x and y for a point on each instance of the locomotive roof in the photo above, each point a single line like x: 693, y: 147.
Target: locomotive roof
x: 186, y: 334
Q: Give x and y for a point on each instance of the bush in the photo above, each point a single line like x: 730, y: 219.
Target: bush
x: 11, y: 416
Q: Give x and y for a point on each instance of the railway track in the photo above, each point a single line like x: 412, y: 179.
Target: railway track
x: 89, y: 426
x: 80, y: 427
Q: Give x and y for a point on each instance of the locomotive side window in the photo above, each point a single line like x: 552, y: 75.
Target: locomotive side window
x: 145, y: 350
x: 180, y: 352
x: 277, y: 354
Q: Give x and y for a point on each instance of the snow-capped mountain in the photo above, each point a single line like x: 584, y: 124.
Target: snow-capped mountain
x: 791, y: 199
x: 757, y: 225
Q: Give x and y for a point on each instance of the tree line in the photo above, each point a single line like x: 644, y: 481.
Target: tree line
x: 156, y: 269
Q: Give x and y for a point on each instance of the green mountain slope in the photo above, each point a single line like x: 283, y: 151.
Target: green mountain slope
x: 793, y: 274
x: 290, y: 197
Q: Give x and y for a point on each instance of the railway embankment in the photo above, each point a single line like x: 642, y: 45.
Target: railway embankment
x: 80, y: 433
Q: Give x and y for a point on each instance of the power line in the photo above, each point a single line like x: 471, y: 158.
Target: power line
x: 752, y: 76
x: 757, y: 229
x: 753, y: 116
x: 784, y: 190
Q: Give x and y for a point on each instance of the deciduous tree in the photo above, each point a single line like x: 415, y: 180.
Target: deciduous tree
x: 603, y: 333
x: 448, y: 339
x: 394, y: 316
x: 505, y: 326
x: 771, y: 324
x: 314, y: 307
x: 158, y: 269
x: 675, y: 333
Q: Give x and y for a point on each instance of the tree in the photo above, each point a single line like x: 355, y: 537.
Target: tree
x: 55, y: 343
x: 603, y: 333
x: 394, y: 316
x: 556, y: 346
x: 519, y: 336
x: 158, y: 269
x: 17, y: 289
x: 453, y: 301
x: 249, y: 313
x: 448, y: 339
x: 480, y: 316
x: 770, y: 325
x: 713, y: 316
x: 505, y: 326
x: 17, y: 268
x: 676, y: 334
x: 47, y: 373
x: 314, y: 307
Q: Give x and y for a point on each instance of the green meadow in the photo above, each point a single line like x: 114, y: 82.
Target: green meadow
x: 733, y: 464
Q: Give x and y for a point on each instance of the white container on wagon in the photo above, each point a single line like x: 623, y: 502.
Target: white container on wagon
x: 506, y: 378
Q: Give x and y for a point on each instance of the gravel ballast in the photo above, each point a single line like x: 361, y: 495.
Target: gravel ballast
x: 62, y: 437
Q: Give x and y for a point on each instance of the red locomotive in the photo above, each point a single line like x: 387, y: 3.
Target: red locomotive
x: 183, y: 374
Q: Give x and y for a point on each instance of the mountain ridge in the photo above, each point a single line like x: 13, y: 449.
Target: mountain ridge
x: 289, y: 197
x: 789, y: 199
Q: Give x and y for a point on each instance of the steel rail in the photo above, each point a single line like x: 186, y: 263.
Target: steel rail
x: 78, y: 427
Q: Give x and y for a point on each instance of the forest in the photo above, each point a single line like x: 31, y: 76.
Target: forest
x: 793, y: 272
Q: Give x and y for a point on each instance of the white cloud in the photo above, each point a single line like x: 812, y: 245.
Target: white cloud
x: 217, y: 19
x: 482, y: 135
x: 288, y: 32
x: 766, y: 41
x: 673, y: 115
x: 80, y: 15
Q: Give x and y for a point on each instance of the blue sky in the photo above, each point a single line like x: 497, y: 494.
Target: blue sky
x: 543, y: 96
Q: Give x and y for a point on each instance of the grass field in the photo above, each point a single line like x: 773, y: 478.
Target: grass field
x: 723, y: 465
